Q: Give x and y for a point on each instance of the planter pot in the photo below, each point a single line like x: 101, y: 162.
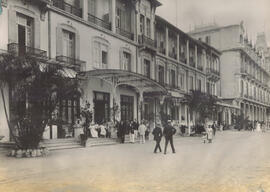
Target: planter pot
x: 13, y: 153
x: 34, y: 153
x: 19, y: 153
x: 39, y: 153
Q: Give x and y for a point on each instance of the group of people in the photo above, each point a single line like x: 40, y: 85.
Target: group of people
x: 127, y: 127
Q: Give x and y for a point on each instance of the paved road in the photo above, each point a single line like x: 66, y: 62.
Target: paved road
x: 235, y: 161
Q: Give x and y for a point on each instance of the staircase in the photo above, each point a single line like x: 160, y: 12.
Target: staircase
x: 6, y: 146
x: 59, y: 144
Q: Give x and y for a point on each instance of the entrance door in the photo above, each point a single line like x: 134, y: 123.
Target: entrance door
x: 127, y: 108
x: 101, y: 107
x: 21, y: 40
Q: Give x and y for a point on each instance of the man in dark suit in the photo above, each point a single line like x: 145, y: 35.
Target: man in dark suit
x: 168, y: 133
x: 157, y: 132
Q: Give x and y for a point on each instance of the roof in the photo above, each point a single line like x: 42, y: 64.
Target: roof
x: 211, y: 28
x: 123, y: 77
x: 187, y: 35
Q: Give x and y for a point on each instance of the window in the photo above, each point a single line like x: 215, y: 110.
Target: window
x: 148, y: 28
x: 191, y: 83
x: 208, y: 40
x: 147, y: 68
x: 208, y: 88
x: 92, y: 7
x: 68, y: 44
x: 199, y: 85
x: 126, y: 61
x: 161, y: 74
x: 104, y: 58
x: 118, y: 18
x: 100, y: 55
x: 142, y: 24
x: 172, y: 81
x: 181, y: 82
x: 25, y: 32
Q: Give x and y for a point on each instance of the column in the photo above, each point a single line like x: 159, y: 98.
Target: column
x: 113, y: 15
x: 178, y: 48
x: 187, y: 52
x: 140, y: 112
x: 85, y: 9
x: 167, y: 41
x: 196, y: 56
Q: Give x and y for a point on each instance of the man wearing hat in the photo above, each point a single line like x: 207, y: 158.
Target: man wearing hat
x: 157, y: 132
x: 168, y: 133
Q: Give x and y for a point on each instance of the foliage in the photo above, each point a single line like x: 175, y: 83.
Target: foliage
x: 241, y: 122
x: 36, y: 88
x: 202, y: 104
x: 115, y: 110
x: 164, y: 118
x: 87, y: 116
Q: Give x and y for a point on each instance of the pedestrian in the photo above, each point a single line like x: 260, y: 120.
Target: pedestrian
x: 131, y: 132
x: 168, y: 133
x: 209, y: 132
x: 136, y: 126
x: 214, y: 127
x: 142, y: 129
x: 122, y: 130
x: 157, y: 132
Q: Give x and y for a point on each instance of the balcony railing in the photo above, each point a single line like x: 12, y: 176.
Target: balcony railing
x: 200, y: 67
x: 125, y: 33
x: 72, y: 63
x: 99, y: 22
x: 212, y: 71
x: 22, y: 50
x: 61, y: 4
x: 173, y: 55
x: 146, y: 41
x: 162, y: 50
x: 191, y: 62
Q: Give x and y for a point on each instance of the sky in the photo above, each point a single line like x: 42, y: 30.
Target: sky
x: 186, y: 14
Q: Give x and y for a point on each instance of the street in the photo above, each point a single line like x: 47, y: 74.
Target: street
x: 235, y: 161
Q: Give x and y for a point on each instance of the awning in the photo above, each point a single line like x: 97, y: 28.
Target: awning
x: 122, y: 77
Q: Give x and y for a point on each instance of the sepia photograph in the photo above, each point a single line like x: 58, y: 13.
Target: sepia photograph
x: 135, y: 96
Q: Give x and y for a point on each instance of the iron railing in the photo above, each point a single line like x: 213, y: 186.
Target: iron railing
x: 70, y: 62
x: 99, y: 22
x: 143, y: 40
x: 212, y: 71
x: 22, y: 50
x: 61, y: 4
x: 125, y: 33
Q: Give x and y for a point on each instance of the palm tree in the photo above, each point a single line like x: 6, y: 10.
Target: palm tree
x: 36, y: 84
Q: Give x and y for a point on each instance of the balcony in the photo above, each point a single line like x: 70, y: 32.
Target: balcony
x: 172, y: 55
x: 99, y: 22
x: 147, y: 42
x: 183, y: 58
x: 200, y: 68
x: 191, y: 62
x: 162, y: 50
x: 61, y: 4
x: 72, y: 63
x: 213, y: 74
x: 125, y: 33
x: 22, y: 50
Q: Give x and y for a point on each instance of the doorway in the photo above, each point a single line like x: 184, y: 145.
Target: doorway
x: 127, y: 108
x: 101, y: 107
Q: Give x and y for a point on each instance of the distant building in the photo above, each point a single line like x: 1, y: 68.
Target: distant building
x: 244, y: 70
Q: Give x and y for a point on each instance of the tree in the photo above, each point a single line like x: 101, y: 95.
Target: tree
x: 36, y: 87
x: 203, y: 104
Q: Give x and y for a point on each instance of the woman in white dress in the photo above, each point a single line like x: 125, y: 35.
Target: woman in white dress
x: 93, y: 130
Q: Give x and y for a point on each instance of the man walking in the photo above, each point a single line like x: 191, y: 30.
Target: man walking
x: 157, y: 132
x: 168, y: 133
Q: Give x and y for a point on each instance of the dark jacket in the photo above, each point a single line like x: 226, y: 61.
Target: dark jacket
x: 157, y: 132
x: 169, y: 131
